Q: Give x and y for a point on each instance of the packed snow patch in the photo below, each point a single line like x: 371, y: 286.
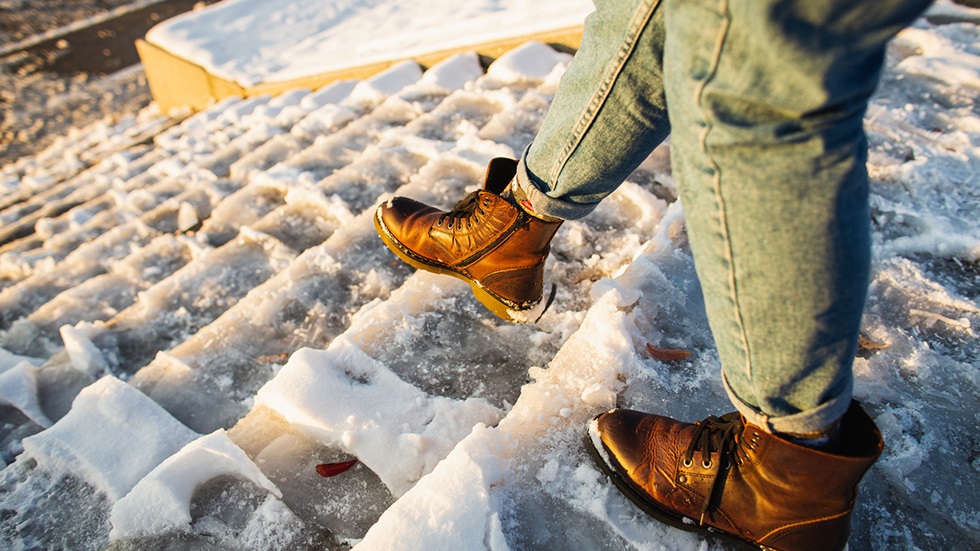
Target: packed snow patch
x: 112, y: 437
x: 394, y: 428
x: 18, y: 388
x: 160, y: 502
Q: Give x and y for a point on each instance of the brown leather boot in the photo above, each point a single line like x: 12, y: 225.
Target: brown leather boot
x: 485, y: 240
x: 726, y: 476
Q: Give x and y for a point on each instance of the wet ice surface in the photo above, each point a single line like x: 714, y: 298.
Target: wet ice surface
x: 227, y: 277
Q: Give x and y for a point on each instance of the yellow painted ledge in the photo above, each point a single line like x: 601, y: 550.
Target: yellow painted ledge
x: 176, y: 82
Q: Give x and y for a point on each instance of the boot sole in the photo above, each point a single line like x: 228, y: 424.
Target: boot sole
x: 498, y: 307
x: 607, y: 464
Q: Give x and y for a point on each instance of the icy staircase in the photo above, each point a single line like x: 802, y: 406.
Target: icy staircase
x: 194, y: 267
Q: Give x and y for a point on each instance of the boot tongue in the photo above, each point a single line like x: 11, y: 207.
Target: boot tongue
x: 500, y: 172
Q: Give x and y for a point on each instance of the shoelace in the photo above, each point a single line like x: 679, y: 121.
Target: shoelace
x: 718, y: 434
x: 463, y: 210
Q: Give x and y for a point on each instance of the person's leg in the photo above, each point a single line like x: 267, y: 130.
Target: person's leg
x: 608, y: 115
x: 766, y: 102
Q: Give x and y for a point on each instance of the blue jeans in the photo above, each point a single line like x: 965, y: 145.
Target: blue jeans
x: 764, y: 102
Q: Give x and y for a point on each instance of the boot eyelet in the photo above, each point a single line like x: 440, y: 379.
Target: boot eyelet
x: 681, y: 479
x: 739, y: 461
x: 726, y: 464
x: 688, y: 462
x: 706, y: 464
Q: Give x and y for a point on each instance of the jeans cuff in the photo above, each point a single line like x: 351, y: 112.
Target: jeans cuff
x: 798, y: 423
x: 539, y: 202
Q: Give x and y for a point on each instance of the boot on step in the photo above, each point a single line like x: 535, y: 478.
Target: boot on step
x: 729, y: 477
x: 486, y: 240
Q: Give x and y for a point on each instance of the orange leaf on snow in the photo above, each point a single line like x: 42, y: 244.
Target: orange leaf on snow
x: 667, y: 354
x: 864, y: 343
x: 333, y: 469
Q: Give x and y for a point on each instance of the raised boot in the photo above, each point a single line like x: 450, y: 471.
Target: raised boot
x: 486, y: 240
x: 729, y: 477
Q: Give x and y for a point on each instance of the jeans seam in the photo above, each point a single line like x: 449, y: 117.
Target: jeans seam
x: 640, y: 19
x: 716, y: 181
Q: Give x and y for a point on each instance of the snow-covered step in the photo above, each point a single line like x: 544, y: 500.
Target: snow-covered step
x: 210, y: 130
x: 55, y: 238
x: 128, y: 201
x: 95, y: 257
x: 48, y: 236
x: 100, y: 297
x: 133, y: 467
x: 77, y: 469
x: 87, y: 261
x: 202, y: 124
x: 245, y: 206
x: 19, y: 220
x: 200, y: 291
x: 78, y: 150
x: 187, y: 495
x: 395, y: 99
x: 313, y: 107
x: 259, y: 126
x: 323, y: 110
x: 192, y: 297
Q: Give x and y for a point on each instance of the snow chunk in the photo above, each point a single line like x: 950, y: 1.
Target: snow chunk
x: 394, y: 428
x: 187, y: 217
x: 386, y: 83
x: 18, y: 388
x: 9, y: 360
x: 333, y: 93
x: 531, y: 62
x: 462, y: 487
x: 161, y: 501
x: 84, y: 355
x: 454, y: 72
x: 113, y: 436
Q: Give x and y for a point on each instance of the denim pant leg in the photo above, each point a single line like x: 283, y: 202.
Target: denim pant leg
x: 766, y: 101
x: 608, y: 115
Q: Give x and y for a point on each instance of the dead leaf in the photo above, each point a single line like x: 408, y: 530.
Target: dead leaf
x: 333, y: 469
x: 275, y: 359
x: 864, y: 343
x: 667, y: 354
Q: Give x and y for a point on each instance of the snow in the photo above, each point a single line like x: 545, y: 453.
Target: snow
x: 18, y: 388
x: 160, y: 502
x: 243, y: 40
x: 208, y: 315
x: 113, y: 436
x: 395, y: 429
